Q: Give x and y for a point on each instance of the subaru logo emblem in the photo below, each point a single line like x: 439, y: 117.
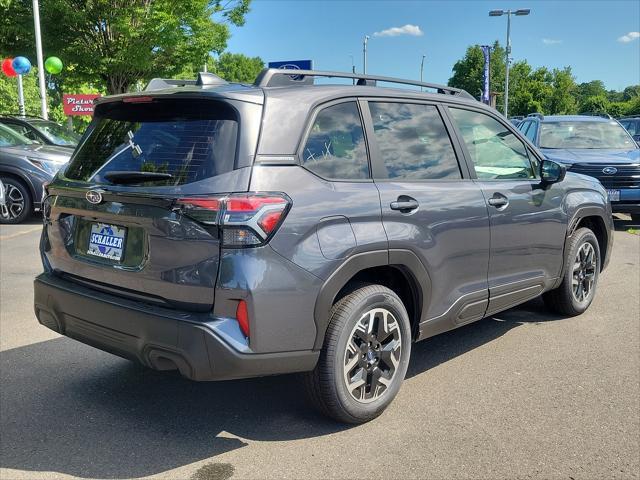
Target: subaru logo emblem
x: 609, y: 170
x: 93, y: 197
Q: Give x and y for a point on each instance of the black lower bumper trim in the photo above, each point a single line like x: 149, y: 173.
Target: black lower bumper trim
x: 159, y: 338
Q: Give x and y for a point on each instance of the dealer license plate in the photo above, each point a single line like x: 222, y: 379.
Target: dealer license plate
x: 614, y: 195
x: 107, y: 241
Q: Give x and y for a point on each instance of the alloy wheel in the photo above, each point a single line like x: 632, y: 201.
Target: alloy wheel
x: 584, y: 272
x: 14, y: 202
x: 372, y: 355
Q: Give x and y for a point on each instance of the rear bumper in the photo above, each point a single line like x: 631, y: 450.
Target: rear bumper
x: 159, y: 338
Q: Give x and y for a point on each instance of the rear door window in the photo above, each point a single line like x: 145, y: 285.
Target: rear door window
x: 190, y: 140
x: 336, y: 147
x: 413, y: 141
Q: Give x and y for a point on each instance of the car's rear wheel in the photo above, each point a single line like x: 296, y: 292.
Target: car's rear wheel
x: 365, y: 355
x: 18, y: 205
x: 580, y: 277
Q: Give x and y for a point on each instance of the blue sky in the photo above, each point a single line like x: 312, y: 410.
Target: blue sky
x: 582, y: 34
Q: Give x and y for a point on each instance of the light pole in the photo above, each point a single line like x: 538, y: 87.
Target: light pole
x: 364, y: 54
x: 421, y: 68
x: 499, y: 13
x: 43, y: 91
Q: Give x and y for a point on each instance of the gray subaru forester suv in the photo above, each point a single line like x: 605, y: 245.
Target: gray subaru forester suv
x: 229, y: 231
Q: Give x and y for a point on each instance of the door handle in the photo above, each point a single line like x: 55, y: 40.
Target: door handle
x: 498, y: 200
x: 404, y: 204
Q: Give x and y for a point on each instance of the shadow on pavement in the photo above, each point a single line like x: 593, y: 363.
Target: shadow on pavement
x: 65, y: 407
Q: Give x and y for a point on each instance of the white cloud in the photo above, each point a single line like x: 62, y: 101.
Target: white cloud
x: 629, y: 37
x: 408, y: 29
x: 551, y: 41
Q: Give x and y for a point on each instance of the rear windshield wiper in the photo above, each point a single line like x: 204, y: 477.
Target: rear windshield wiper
x: 128, y: 178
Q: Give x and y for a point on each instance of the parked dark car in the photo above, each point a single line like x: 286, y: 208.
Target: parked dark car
x: 596, y: 146
x: 39, y: 130
x: 24, y: 167
x: 230, y: 231
x: 632, y: 124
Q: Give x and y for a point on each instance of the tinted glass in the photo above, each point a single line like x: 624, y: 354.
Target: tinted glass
x: 336, y: 147
x: 56, y: 133
x: 11, y: 138
x: 633, y: 127
x: 413, y: 141
x: 495, y: 151
x: 189, y: 140
x: 531, y: 132
x: 585, y: 134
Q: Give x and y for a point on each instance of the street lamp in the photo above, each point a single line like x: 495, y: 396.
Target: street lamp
x: 508, y: 13
x: 364, y: 54
x: 421, y: 69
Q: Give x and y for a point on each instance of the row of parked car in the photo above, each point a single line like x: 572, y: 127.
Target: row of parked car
x: 33, y: 149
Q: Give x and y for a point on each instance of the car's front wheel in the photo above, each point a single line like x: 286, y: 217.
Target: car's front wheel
x: 365, y: 355
x: 17, y: 201
x: 580, y: 277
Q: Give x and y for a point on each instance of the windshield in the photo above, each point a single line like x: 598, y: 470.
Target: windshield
x: 11, y: 138
x: 585, y: 134
x: 56, y: 133
x: 188, y: 140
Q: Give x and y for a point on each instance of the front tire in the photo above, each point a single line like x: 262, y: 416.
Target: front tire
x: 580, y: 277
x: 18, y: 205
x: 365, y: 355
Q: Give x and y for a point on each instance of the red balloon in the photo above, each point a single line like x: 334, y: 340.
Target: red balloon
x: 7, y: 68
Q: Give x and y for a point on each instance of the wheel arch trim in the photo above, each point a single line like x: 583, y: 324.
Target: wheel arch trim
x: 405, y: 259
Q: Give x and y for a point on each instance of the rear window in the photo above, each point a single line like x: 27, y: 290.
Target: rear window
x: 190, y: 140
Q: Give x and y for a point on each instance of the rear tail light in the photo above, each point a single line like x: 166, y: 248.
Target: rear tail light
x: 246, y: 219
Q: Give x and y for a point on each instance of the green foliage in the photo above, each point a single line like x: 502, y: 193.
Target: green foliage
x: 235, y: 67
x: 541, y: 90
x: 117, y: 43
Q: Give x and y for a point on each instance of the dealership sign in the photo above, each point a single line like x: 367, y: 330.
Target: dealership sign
x: 81, y: 104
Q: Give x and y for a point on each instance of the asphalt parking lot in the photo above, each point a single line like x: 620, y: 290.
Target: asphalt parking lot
x: 524, y: 394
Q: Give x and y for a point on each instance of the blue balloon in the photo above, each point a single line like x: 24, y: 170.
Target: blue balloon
x: 21, y: 65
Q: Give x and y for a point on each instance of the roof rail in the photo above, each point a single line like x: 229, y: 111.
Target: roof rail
x: 204, y: 79
x: 537, y: 115
x: 597, y: 114
x: 280, y: 77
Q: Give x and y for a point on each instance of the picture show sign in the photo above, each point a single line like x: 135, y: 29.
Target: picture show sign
x: 78, y: 104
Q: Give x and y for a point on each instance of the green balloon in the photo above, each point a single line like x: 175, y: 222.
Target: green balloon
x: 53, y: 65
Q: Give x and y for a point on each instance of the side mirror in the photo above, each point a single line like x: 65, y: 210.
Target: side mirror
x: 552, y: 172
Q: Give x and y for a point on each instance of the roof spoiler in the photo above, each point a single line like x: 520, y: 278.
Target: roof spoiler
x: 204, y: 79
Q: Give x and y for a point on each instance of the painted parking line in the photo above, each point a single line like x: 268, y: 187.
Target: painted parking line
x: 23, y: 232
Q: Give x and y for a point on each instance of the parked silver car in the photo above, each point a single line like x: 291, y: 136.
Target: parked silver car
x: 24, y: 167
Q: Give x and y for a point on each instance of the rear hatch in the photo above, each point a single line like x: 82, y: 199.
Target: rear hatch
x: 131, y: 213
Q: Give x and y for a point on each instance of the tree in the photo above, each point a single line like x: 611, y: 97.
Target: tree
x: 594, y: 88
x: 120, y: 42
x: 595, y: 104
x: 235, y: 67
x: 562, y: 100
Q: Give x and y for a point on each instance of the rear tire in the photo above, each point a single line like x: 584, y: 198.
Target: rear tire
x: 364, y: 358
x: 18, y: 203
x: 580, y: 277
